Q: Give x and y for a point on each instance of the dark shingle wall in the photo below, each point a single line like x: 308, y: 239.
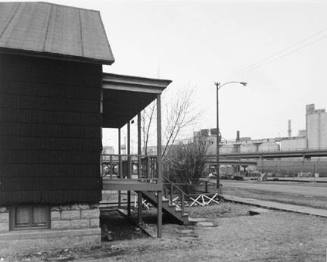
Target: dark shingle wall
x: 50, y: 137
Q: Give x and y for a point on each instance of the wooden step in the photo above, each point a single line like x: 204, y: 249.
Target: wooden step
x: 173, y: 210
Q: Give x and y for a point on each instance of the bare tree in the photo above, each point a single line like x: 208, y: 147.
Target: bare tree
x: 146, y: 120
x: 178, y: 114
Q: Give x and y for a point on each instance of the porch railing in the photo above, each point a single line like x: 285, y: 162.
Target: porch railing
x: 174, y: 194
x: 138, y: 167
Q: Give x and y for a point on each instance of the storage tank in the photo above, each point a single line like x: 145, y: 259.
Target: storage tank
x: 293, y: 144
x: 248, y: 148
x: 269, y: 147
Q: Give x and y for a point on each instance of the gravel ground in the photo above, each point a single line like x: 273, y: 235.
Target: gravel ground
x: 234, y: 236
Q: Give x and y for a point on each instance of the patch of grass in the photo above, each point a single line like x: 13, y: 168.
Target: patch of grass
x: 288, y: 198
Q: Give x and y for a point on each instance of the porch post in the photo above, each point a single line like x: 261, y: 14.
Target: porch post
x: 128, y: 166
x: 139, y: 152
x: 119, y: 165
x: 159, y: 166
x: 139, y: 149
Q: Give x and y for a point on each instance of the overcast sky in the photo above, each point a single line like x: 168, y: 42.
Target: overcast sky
x: 278, y: 47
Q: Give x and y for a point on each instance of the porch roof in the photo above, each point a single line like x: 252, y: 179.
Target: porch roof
x: 125, y: 96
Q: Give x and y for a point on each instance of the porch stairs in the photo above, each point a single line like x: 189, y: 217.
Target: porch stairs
x: 173, y: 211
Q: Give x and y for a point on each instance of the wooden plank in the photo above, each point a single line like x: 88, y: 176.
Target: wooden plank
x: 159, y: 168
x: 129, y: 184
x: 159, y: 214
x: 136, y: 89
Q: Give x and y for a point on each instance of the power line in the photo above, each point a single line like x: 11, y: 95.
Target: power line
x: 308, y: 41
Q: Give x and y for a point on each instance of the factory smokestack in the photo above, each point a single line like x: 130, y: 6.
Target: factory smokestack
x: 289, y: 128
x: 237, y: 135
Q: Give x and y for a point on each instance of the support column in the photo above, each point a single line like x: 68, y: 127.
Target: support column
x: 119, y: 165
x: 129, y: 150
x: 139, y: 208
x: 128, y: 166
x: 139, y: 142
x: 159, y: 167
x: 139, y: 194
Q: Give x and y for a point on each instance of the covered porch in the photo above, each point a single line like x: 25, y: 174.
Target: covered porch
x: 124, y: 97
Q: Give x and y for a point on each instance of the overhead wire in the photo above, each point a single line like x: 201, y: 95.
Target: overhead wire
x: 308, y: 41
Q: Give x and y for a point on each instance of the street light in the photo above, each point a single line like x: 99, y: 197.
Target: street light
x: 218, y: 86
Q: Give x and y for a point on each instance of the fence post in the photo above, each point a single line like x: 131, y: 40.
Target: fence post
x: 182, y: 205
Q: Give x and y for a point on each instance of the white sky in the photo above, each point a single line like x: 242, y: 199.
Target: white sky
x: 195, y: 43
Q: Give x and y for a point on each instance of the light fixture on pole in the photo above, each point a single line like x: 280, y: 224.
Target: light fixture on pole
x: 218, y: 86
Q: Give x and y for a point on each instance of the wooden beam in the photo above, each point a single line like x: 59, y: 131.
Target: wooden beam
x: 119, y: 165
x: 139, y: 142
x: 130, y: 185
x: 128, y: 165
x: 159, y: 167
x: 159, y: 214
x: 134, y: 83
x: 139, y: 149
x: 159, y: 138
x: 131, y: 88
x: 129, y: 149
x: 139, y: 208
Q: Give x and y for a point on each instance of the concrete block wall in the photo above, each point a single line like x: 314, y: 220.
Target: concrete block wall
x: 71, y: 226
x: 75, y: 217
x: 4, y: 220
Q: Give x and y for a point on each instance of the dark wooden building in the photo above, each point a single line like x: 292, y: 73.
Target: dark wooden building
x: 51, y: 60
x: 54, y: 102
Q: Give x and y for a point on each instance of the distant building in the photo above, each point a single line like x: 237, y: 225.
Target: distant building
x: 313, y: 137
x: 108, y: 150
x: 302, y: 132
x: 316, y: 126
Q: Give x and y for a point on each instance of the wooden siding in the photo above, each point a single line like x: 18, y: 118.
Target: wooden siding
x: 50, y: 139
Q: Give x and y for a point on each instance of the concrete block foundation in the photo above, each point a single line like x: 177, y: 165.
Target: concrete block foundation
x: 70, y: 226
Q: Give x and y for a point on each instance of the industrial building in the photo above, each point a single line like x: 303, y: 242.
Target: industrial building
x: 316, y: 127
x: 313, y: 137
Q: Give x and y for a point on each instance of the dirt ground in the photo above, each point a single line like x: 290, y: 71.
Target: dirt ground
x: 233, y: 236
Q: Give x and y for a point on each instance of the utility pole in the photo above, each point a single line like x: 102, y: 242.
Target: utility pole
x: 218, y: 86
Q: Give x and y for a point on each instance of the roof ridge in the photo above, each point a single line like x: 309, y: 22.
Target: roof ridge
x: 55, y: 4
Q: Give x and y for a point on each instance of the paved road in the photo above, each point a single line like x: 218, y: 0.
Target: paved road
x: 307, y: 189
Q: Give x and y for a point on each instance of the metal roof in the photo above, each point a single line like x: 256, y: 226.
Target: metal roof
x: 52, y: 30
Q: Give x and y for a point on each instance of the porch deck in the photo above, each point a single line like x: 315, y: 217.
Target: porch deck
x: 129, y: 184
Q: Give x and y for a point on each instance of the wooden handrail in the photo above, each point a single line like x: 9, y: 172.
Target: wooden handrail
x: 146, y: 170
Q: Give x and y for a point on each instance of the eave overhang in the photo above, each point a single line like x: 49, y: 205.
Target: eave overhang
x: 124, y: 96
